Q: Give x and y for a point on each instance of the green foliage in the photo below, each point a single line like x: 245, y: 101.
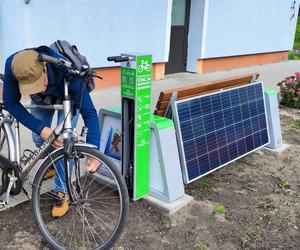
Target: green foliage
x: 284, y: 184
x: 220, y: 209
x: 290, y: 91
x: 293, y: 55
x: 295, y: 124
x: 200, y: 245
x: 297, y: 35
x: 250, y: 239
x: 204, y: 184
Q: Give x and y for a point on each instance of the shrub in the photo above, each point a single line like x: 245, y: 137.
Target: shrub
x: 290, y: 91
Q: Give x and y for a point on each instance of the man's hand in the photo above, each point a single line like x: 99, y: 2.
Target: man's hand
x: 92, y: 164
x: 46, y: 132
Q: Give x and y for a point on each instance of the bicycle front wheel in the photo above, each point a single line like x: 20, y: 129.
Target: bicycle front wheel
x: 96, y: 216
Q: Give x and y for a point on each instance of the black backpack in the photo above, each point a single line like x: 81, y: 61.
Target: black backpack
x: 71, y: 53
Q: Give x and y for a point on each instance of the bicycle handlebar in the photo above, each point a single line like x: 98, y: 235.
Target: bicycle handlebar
x: 118, y: 58
x: 53, y: 60
x: 68, y: 65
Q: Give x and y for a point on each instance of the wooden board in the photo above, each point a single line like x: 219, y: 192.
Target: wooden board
x: 201, y: 88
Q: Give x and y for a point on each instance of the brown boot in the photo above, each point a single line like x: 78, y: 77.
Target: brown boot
x: 61, y: 205
x: 50, y: 173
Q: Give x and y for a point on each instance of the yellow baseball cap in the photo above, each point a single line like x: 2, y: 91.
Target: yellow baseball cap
x: 28, y: 71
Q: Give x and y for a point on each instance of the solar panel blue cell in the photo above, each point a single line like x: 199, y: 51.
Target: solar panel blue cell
x: 224, y: 155
x: 241, y: 145
x: 255, y: 123
x: 264, y: 136
x: 195, y: 108
x: 253, y: 109
x: 190, y: 150
x: 257, y: 139
x: 251, y: 92
x: 233, y: 151
x: 214, y: 159
x: 239, y: 130
x: 211, y: 139
x: 208, y: 122
x: 243, y: 95
x: 198, y: 127
x: 226, y: 100
x: 216, y: 102
x: 193, y: 168
x: 228, y: 117
x: 260, y: 106
x: 206, y: 105
x: 262, y: 121
x: 230, y: 133
x: 237, y: 114
x: 201, y: 145
x: 258, y: 91
x: 249, y: 143
x: 221, y: 127
x: 221, y: 137
x: 184, y: 112
x: 219, y: 120
x: 247, y: 128
x: 245, y: 111
x: 235, y: 99
x: 204, y: 165
x: 186, y: 130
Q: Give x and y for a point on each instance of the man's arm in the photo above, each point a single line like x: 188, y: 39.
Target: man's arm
x: 11, y: 100
x: 83, y: 101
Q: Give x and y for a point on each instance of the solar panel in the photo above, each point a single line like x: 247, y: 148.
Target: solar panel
x: 218, y: 128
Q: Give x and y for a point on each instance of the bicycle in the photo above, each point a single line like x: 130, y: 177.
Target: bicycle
x: 98, y: 202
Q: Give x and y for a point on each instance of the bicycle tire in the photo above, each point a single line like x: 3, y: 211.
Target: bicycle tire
x: 5, y: 151
x: 4, y: 163
x: 37, y: 198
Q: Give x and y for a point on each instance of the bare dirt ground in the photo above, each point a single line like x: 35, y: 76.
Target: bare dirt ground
x: 253, y: 203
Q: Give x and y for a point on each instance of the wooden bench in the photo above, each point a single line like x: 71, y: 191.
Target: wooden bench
x: 201, y: 88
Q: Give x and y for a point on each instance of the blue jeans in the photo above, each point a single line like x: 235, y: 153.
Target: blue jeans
x: 46, y: 116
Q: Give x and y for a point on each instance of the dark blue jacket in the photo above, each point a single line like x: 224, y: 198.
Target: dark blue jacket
x: 55, y: 88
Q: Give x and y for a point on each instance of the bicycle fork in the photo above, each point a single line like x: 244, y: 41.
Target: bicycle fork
x: 68, y: 150
x: 69, y: 154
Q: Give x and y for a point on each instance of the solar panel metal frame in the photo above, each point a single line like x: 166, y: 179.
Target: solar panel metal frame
x: 179, y: 135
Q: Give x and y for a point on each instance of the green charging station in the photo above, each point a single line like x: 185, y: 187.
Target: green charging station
x: 136, y: 76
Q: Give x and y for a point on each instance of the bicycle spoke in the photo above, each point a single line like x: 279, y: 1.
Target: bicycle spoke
x: 99, y: 219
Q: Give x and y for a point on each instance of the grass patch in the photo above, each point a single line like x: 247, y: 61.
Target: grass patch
x: 200, y: 245
x: 204, y: 184
x: 284, y: 184
x: 250, y: 187
x: 250, y: 239
x: 220, y: 209
x: 295, y: 124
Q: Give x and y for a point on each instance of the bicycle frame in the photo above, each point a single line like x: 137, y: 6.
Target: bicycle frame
x: 65, y: 128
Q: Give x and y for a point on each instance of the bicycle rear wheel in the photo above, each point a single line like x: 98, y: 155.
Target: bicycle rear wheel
x: 96, y: 217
